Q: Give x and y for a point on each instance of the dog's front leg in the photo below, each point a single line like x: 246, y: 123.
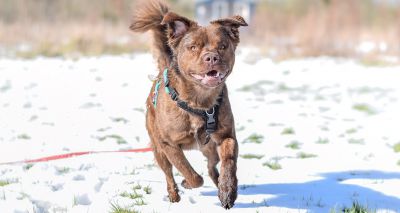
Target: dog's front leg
x: 227, y: 181
x: 177, y: 158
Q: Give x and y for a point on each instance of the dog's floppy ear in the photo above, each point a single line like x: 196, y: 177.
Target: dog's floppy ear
x: 177, y: 26
x: 232, y: 24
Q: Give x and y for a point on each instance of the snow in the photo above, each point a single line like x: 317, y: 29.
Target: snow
x: 344, y: 114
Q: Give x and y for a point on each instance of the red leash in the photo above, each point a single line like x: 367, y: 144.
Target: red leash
x: 73, y: 154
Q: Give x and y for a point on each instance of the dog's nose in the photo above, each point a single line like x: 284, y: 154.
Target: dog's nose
x: 211, y: 58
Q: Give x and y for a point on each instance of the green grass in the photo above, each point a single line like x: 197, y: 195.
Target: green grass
x: 75, y: 201
x: 273, y: 164
x: 396, y: 147
x: 256, y: 87
x: 116, y: 208
x: 147, y: 190
x: 137, y: 187
x: 138, y: 109
x: 63, y: 170
x: 103, y: 129
x: 134, y: 195
x: 322, y: 141
x: 293, y: 145
x: 23, y: 137
x: 4, y: 183
x: 283, y: 88
x: 254, y: 138
x: 119, y: 119
x: 251, y: 156
x: 356, y: 141
x: 364, y: 108
x: 288, y: 131
x: 303, y: 155
x: 241, y: 128
x: 119, y: 139
x: 27, y: 166
x: 139, y: 202
x: 351, y: 131
x: 355, y: 208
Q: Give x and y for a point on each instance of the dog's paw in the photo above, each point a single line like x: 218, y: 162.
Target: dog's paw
x: 227, y: 198
x: 227, y: 192
x: 197, y: 182
x: 174, y: 197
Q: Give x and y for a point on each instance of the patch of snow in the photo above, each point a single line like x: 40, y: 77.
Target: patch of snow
x: 343, y: 116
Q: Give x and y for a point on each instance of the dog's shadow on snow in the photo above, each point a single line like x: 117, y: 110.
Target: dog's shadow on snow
x: 327, y: 193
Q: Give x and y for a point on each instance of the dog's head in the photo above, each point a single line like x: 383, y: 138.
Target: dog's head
x: 205, y: 55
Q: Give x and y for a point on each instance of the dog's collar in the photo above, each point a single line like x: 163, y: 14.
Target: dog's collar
x: 210, y: 116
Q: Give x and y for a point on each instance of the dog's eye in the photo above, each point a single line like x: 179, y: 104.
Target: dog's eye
x: 193, y: 48
x: 222, y: 47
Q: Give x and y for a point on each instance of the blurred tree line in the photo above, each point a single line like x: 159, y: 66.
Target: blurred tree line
x: 52, y: 11
x: 283, y: 28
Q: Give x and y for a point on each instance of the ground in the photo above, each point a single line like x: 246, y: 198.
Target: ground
x: 315, y: 135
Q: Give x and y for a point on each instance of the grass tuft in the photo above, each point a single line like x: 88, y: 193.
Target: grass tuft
x: 147, y: 190
x: 357, y: 208
x: 254, y: 138
x: 134, y: 195
x: 63, y: 170
x: 356, y: 141
x: 4, y: 183
x: 396, y: 147
x: 116, y: 208
x: 303, y: 155
x: 119, y: 139
x: 251, y: 156
x: 287, y: 131
x: 322, y: 141
x: 364, y: 108
x: 351, y: 131
x: 139, y: 202
x: 27, y: 166
x: 136, y: 187
x: 24, y: 137
x: 273, y: 164
x: 120, y: 119
x: 293, y: 145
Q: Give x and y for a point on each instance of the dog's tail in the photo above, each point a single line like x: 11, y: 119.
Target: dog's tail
x: 148, y: 17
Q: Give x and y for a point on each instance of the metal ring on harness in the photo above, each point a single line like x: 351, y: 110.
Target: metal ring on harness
x: 213, y: 111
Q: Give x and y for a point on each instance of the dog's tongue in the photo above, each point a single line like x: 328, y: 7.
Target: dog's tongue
x: 210, y: 75
x: 211, y: 78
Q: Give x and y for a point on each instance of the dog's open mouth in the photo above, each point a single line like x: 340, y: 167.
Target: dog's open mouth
x: 213, y: 73
x: 212, y: 78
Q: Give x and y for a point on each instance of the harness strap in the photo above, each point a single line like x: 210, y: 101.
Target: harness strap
x: 155, y: 93
x: 210, y: 116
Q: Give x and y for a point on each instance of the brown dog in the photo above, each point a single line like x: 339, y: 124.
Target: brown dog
x: 188, y: 107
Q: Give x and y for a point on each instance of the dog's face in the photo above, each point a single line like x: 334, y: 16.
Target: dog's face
x: 205, y: 55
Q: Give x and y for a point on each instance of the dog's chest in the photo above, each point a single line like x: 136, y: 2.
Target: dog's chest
x: 196, y: 129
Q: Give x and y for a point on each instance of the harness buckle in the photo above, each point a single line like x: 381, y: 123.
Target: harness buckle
x: 211, y: 124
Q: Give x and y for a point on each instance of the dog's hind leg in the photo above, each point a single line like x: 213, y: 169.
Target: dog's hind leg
x: 210, y: 152
x: 177, y: 158
x: 166, y: 166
